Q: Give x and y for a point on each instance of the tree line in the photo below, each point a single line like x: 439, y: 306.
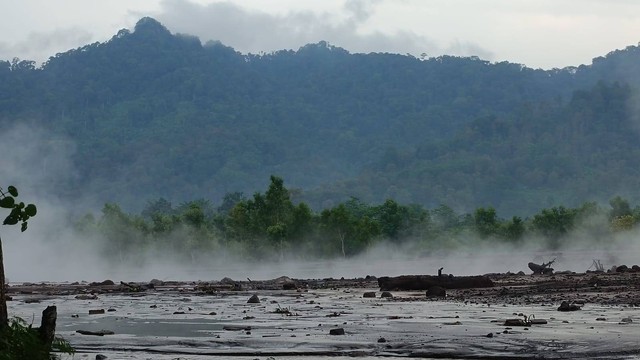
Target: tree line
x: 271, y: 226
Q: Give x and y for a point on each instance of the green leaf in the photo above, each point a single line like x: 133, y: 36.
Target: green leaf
x: 23, y: 227
x: 30, y: 210
x: 10, y: 220
x: 12, y: 190
x: 7, y: 202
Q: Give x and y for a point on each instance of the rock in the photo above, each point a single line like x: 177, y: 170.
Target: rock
x: 101, y: 357
x: 565, y: 306
x: 227, y: 281
x: 622, y: 268
x: 87, y: 297
x: 538, y: 321
x: 382, y: 340
x: 635, y: 268
x: 601, y: 319
x: 369, y: 294
x: 104, y: 283
x: 178, y: 313
x: 520, y: 273
x: 253, y: 299
x: 111, y: 310
x: 626, y: 320
x: 386, y: 294
x: 96, y: 312
x: 95, y: 333
x: 289, y: 286
x: 436, y: 291
x: 337, y: 331
x: 490, y: 335
x: 213, y: 313
x: 156, y: 282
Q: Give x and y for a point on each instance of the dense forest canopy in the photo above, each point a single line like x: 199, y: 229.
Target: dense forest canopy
x: 153, y: 114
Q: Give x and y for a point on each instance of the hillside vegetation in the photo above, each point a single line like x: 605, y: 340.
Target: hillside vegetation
x: 153, y: 114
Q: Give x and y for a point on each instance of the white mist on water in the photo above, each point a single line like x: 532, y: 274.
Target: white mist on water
x: 51, y: 251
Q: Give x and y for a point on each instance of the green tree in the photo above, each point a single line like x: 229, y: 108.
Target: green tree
x: 486, y: 222
x: 19, y: 214
x: 554, y: 223
x: 619, y: 208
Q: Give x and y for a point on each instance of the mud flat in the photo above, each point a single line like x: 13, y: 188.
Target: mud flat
x: 333, y: 318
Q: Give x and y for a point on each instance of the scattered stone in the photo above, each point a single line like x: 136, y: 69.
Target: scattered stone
x: 601, y: 319
x: 95, y: 333
x: 213, y: 313
x: 490, y: 335
x: 382, y: 340
x: 386, y: 294
x: 337, y: 331
x: 626, y: 320
x: 436, y: 291
x: 565, y: 306
x: 96, y: 311
x: 369, y: 294
x: 254, y: 299
x: 87, y: 297
x: 153, y: 306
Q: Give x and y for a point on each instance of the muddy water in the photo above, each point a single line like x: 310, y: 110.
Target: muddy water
x: 178, y: 324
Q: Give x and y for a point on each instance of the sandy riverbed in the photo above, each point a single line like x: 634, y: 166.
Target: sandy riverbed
x: 196, y: 320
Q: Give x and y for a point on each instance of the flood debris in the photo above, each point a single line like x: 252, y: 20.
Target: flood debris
x: 95, y: 333
x: 424, y: 282
x: 566, y: 306
x: 542, y: 269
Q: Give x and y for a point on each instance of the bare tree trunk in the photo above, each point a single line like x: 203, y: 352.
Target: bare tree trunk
x: 4, y: 317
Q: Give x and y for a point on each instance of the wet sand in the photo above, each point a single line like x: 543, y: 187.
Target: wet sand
x: 198, y: 320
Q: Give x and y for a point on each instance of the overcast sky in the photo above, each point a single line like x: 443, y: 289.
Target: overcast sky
x: 537, y: 33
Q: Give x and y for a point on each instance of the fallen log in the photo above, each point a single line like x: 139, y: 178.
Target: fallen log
x: 424, y: 282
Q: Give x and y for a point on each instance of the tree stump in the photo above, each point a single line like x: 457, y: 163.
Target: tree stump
x: 47, y: 330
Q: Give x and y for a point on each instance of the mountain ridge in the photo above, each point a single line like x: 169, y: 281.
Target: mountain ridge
x: 207, y: 120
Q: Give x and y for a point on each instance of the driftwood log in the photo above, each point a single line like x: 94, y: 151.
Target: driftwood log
x: 543, y: 269
x: 424, y: 282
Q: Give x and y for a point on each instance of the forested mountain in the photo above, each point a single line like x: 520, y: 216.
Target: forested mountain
x: 158, y: 114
